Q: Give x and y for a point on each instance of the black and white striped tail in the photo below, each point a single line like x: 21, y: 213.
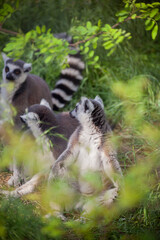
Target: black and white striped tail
x: 69, y: 81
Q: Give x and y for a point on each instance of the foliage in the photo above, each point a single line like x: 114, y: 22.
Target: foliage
x: 19, y: 221
x: 43, y: 49
x: 149, y: 12
x: 124, y: 71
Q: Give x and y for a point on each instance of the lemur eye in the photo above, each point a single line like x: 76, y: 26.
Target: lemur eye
x: 6, y: 69
x: 17, y: 71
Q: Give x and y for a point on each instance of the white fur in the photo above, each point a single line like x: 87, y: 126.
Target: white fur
x: 99, y: 100
x: 45, y: 103
x: 32, y: 120
x: 84, y: 117
x: 9, y: 93
x: 57, y: 103
x: 46, y: 157
x: 62, y: 94
x: 4, y: 56
x: 27, y: 66
x: 72, y: 72
x: 26, y: 188
x: 67, y: 83
x: 76, y: 61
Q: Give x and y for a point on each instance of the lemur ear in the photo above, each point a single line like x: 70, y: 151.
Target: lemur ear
x: 45, y: 103
x: 88, y: 105
x: 4, y: 56
x: 98, y: 99
x: 27, y: 67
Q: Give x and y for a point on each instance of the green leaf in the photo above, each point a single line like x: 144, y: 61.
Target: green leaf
x: 127, y: 35
x: 8, y: 8
x: 43, y: 50
x: 111, y: 51
x: 27, y: 36
x: 121, y: 19
x: 120, y: 39
x: 154, y: 32
x: 107, y: 42
x: 99, y: 23
x: 116, y: 34
x: 108, y: 45
x: 147, y: 21
x: 96, y: 58
x: 134, y: 16
x: 17, y: 4
x: 141, y: 5
x: 89, y: 25
x: 122, y: 13
x: 154, y: 12
x: 106, y: 28
x: 156, y: 4
x: 48, y: 59
x: 38, y: 30
x: 43, y: 29
x: 94, y: 45
x: 86, y: 50
x: 82, y: 30
x: 150, y: 26
x: 91, y: 53
x: 157, y: 17
x: 87, y: 44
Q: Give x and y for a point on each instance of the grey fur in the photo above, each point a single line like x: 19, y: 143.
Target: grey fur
x: 49, y: 129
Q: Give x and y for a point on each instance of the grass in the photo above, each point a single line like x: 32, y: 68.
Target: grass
x: 133, y: 60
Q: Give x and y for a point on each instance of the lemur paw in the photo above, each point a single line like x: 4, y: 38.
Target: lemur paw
x: 110, y: 196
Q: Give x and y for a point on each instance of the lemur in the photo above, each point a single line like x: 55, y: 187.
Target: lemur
x: 29, y: 89
x: 90, y: 149
x: 51, y: 131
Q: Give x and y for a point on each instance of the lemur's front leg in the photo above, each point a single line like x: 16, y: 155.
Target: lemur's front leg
x: 59, y: 168
x: 113, y: 172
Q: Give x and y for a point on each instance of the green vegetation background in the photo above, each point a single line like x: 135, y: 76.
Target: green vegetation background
x: 134, y: 61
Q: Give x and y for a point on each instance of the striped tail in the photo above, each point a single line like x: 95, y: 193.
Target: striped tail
x: 69, y: 81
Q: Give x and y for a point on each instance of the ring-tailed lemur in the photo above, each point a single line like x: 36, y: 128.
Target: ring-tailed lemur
x: 51, y: 132
x: 90, y: 149
x: 29, y: 89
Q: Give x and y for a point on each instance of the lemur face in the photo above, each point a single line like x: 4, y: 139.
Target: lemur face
x: 15, y: 71
x: 29, y: 117
x: 85, y: 107
x: 35, y: 113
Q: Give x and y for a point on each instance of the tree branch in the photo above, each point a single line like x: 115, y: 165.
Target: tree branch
x: 7, y: 31
x: 100, y: 33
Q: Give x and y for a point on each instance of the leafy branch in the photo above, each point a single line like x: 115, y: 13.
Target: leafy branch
x: 86, y: 37
x: 100, y: 33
